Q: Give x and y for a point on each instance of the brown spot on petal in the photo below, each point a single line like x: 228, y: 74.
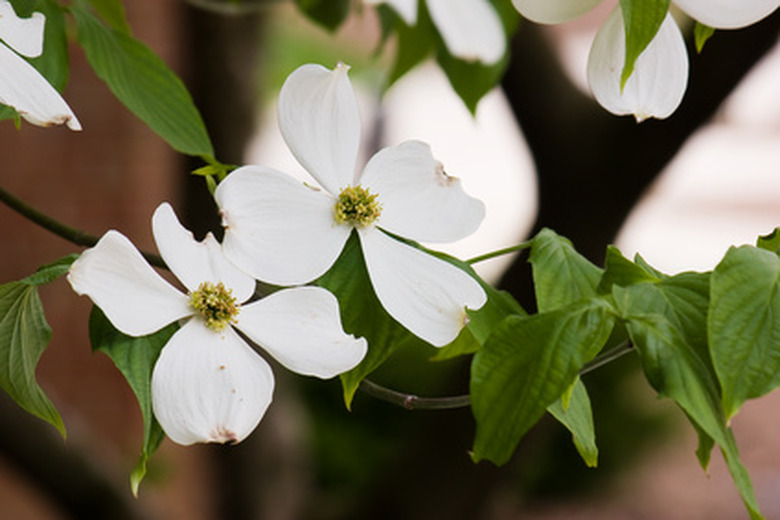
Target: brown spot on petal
x: 224, y: 436
x: 442, y: 178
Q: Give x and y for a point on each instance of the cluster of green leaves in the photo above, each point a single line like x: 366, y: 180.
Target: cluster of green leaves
x: 708, y: 341
x: 133, y: 72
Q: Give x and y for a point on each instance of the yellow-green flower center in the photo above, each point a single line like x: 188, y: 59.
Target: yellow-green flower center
x: 216, y: 304
x: 356, y: 207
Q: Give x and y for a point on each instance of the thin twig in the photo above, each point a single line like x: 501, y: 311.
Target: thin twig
x: 499, y: 252
x: 231, y: 8
x: 414, y: 402
x: 72, y: 235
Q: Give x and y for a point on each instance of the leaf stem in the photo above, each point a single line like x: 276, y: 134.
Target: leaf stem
x: 414, y: 402
x: 499, y: 252
x: 72, y: 235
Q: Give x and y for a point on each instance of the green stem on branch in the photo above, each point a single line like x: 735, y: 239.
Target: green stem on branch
x: 499, y: 252
x: 414, y: 402
x: 72, y: 235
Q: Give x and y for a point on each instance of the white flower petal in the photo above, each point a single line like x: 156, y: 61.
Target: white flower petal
x: 426, y: 295
x: 209, y: 386
x: 320, y: 121
x: 554, y: 11
x: 196, y: 262
x: 301, y: 328
x: 657, y: 85
x: 277, y: 229
x: 407, y: 9
x: 471, y: 29
x: 26, y: 90
x: 419, y: 201
x: 728, y: 14
x: 132, y: 295
x: 24, y: 35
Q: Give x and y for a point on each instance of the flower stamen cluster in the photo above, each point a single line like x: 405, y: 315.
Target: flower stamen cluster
x: 357, y: 207
x: 216, y: 304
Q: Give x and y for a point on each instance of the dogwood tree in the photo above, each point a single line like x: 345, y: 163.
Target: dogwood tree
x: 329, y: 278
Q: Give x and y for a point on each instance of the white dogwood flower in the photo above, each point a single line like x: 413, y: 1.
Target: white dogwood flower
x: 660, y: 77
x: 209, y: 385
x: 285, y: 232
x: 471, y: 29
x: 21, y: 86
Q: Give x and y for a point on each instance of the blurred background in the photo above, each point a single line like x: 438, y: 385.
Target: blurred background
x: 539, y: 152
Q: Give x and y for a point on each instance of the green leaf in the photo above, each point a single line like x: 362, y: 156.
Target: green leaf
x: 499, y: 305
x: 618, y: 270
x: 363, y: 315
x: 113, y: 12
x: 54, y: 63
x: 414, y: 43
x: 24, y: 8
x: 472, y: 80
x: 770, y: 242
x: 701, y: 34
x: 577, y: 417
x: 144, y: 84
x: 50, y: 272
x: 525, y: 366
x: 641, y: 262
x: 641, y: 20
x: 667, y: 323
x: 561, y: 275
x: 135, y: 359
x: 744, y: 325
x: 327, y: 13
x: 24, y: 335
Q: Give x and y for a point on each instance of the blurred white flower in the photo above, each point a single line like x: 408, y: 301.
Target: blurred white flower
x: 471, y: 29
x: 657, y: 85
x: 21, y: 86
x: 284, y: 232
x: 209, y: 385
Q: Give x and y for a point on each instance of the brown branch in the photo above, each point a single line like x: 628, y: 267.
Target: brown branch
x: 72, y: 235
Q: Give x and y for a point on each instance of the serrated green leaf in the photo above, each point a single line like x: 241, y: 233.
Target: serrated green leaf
x: 667, y: 323
x: 50, y: 272
x: 328, y: 13
x: 24, y: 335
x: 641, y: 20
x: 618, y: 270
x: 144, y: 84
x: 525, y: 366
x: 770, y: 242
x: 561, y: 275
x: 744, y: 325
x: 577, y: 417
x: 113, y: 12
x: 362, y: 315
x: 135, y: 359
x: 701, y: 34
